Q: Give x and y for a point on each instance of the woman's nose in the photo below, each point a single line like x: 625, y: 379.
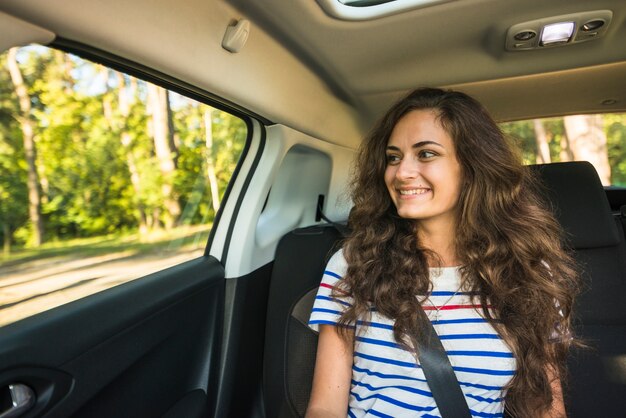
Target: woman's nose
x: 407, y: 169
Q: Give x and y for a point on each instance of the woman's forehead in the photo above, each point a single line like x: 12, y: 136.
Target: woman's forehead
x: 419, y: 127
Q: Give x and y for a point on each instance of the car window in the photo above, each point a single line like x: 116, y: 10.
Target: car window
x: 104, y: 177
x: 598, y: 138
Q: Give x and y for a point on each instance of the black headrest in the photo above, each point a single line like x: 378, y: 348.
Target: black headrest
x: 579, y: 202
x: 616, y: 196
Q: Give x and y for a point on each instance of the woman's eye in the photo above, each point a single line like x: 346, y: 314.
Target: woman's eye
x: 391, y: 159
x: 425, y: 154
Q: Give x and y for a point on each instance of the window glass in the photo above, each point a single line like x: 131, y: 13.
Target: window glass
x: 371, y: 9
x: 104, y: 178
x: 364, y: 3
x: 599, y: 139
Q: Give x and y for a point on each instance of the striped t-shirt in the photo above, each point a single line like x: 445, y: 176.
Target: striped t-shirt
x: 387, y: 381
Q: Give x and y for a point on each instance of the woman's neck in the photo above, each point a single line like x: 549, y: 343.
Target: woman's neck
x: 440, y: 240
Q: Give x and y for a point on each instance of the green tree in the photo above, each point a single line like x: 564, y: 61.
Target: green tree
x: 99, y: 164
x: 28, y: 127
x: 615, y: 128
x: 13, y: 173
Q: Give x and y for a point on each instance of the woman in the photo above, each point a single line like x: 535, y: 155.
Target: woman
x: 447, y: 227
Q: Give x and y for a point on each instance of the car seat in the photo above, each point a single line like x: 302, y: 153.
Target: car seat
x: 597, y: 381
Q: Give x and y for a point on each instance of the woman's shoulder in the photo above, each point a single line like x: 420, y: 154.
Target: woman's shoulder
x: 337, y: 264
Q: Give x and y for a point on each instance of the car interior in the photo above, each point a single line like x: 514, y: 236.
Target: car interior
x: 225, y: 334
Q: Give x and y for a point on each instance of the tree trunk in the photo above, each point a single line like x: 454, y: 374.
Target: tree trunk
x: 210, y: 164
x: 543, y: 150
x: 125, y: 101
x: 30, y: 150
x: 6, y: 234
x: 587, y: 142
x: 162, y: 134
x: 65, y: 66
x: 566, y: 149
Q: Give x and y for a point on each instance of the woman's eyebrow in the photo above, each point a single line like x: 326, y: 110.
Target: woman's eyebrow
x: 424, y: 143
x: 416, y: 145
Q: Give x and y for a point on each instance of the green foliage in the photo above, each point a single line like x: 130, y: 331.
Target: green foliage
x: 523, y: 134
x: 13, y: 191
x: 615, y: 127
x: 85, y: 164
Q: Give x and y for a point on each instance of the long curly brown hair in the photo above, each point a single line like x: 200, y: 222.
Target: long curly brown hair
x: 509, y: 245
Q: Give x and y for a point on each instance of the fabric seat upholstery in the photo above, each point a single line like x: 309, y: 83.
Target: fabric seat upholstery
x: 290, y: 345
x: 597, y: 379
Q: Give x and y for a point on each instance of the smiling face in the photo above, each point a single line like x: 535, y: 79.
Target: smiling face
x: 423, y: 175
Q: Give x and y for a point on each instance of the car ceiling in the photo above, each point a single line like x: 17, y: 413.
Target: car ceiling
x: 456, y: 44
x: 332, y: 78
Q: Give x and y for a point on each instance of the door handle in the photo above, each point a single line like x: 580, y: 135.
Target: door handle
x: 22, y: 398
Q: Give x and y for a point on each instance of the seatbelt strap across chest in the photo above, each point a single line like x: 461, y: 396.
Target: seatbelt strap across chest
x: 441, y: 379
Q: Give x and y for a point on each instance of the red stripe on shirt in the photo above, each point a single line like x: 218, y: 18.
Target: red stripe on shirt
x: 452, y: 307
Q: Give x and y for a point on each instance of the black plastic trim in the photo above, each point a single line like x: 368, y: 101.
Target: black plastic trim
x: 154, y: 76
x: 240, y: 198
x: 245, y: 310
x: 231, y: 182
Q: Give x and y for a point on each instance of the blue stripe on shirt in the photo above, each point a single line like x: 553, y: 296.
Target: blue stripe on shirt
x: 479, y: 386
x: 324, y: 310
x: 479, y: 353
x: 374, y: 324
x: 439, y: 322
x: 332, y: 274
x: 386, y: 360
x: 378, y: 414
x: 332, y: 300
x: 425, y: 393
x: 378, y: 342
x: 460, y: 321
x: 456, y: 368
x: 486, y: 414
x: 387, y: 376
x: 325, y: 322
x: 469, y: 337
x: 393, y: 402
x: 405, y: 388
x: 450, y: 353
x: 449, y: 293
x: 483, y: 399
x: 484, y: 371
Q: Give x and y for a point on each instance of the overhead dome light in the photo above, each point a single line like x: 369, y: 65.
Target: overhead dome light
x: 567, y: 29
x: 557, y: 33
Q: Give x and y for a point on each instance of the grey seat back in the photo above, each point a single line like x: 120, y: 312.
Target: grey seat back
x: 290, y: 346
x: 597, y: 379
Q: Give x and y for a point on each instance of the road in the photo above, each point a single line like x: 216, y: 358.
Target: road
x: 39, y: 285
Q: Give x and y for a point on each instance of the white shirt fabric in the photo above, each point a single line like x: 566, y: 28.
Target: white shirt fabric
x: 387, y: 381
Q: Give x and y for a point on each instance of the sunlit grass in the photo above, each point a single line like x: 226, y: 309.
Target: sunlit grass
x: 182, y: 238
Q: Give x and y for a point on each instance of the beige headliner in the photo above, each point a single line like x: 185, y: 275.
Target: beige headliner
x: 332, y: 78
x: 457, y: 44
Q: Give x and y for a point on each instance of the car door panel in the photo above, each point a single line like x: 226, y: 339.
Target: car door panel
x: 140, y: 349
x: 242, y: 362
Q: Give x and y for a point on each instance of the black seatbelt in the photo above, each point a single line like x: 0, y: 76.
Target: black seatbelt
x: 441, y: 378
